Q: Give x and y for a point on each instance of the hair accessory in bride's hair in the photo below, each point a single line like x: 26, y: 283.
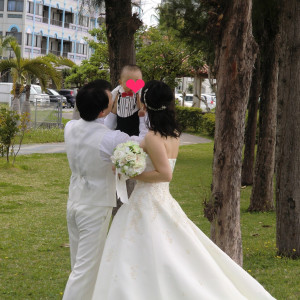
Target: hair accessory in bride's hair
x: 151, y: 108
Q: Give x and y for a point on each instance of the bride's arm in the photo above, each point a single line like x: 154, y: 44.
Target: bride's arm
x: 155, y: 148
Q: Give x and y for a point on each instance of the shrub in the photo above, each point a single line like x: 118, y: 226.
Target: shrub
x: 190, y: 117
x: 209, y: 121
x: 8, y: 129
x: 12, y: 126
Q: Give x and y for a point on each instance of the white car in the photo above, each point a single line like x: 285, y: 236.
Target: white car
x: 210, y: 99
x: 188, y: 102
x: 37, y: 96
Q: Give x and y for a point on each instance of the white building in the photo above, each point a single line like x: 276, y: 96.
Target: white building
x: 49, y: 26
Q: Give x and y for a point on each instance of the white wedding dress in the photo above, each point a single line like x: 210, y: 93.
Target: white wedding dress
x: 154, y: 252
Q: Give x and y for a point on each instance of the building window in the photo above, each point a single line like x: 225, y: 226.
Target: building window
x: 92, y: 24
x: 14, y: 16
x: 1, y: 5
x: 30, y: 7
x: 28, y: 39
x: 18, y: 35
x: 15, y: 5
x: 37, y: 41
x: 38, y: 8
x: 81, y: 49
x: 84, y: 21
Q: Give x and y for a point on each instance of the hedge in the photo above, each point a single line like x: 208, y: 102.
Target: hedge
x: 195, y: 118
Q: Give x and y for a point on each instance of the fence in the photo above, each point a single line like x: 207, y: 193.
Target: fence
x: 45, y: 115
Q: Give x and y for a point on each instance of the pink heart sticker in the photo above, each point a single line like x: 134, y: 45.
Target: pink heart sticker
x: 135, y: 86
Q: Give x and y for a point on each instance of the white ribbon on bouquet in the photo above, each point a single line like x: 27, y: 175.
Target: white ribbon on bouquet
x: 121, y: 187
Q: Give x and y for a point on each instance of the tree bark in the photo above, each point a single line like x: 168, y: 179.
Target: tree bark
x: 235, y: 57
x: 250, y: 132
x: 288, y: 133
x: 16, y: 100
x: 197, y: 91
x: 263, y: 187
x: 26, y: 104
x: 120, y: 28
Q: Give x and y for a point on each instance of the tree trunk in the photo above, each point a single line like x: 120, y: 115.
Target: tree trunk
x: 120, y: 27
x: 26, y: 104
x: 16, y: 100
x: 235, y: 56
x: 288, y: 133
x: 197, y: 91
x: 250, y: 132
x: 263, y: 187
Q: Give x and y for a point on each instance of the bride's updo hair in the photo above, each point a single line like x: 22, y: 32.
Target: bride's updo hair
x: 160, y: 103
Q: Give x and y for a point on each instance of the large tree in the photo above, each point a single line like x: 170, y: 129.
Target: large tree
x: 161, y: 56
x: 251, y: 126
x: 288, y: 133
x: 121, y: 25
x: 226, y: 27
x: 268, y: 40
x: 235, y: 57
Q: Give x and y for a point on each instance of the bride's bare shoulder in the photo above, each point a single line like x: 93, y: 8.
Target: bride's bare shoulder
x: 152, y: 136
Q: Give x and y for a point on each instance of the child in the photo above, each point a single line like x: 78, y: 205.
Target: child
x: 126, y: 102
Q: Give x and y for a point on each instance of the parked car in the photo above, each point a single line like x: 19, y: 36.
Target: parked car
x: 210, y: 99
x: 5, y: 92
x: 37, y: 96
x: 56, y: 97
x: 70, y: 95
x: 188, y: 102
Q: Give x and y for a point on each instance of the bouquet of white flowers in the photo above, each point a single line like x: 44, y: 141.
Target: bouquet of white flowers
x: 129, y: 159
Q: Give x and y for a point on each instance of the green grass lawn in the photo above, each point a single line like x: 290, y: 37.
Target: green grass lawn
x: 34, y: 264
x: 44, y: 135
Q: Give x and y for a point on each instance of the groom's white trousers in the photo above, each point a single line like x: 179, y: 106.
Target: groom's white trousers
x: 87, y: 226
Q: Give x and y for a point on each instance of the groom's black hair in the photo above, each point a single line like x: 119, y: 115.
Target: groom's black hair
x: 92, y: 98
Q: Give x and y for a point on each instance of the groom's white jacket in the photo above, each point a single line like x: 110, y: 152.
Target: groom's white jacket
x: 92, y: 181
x: 89, y: 146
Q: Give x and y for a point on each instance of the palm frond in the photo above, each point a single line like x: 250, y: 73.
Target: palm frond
x: 63, y: 61
x: 7, y: 64
x: 4, y: 42
x: 16, y: 48
x: 43, y: 71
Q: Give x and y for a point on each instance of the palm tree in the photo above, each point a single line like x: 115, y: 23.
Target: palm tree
x: 5, y: 44
x: 23, y: 70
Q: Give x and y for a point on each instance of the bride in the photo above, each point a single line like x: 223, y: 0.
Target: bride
x: 153, y: 251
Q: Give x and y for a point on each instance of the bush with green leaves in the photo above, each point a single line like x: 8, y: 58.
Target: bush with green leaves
x: 190, y: 117
x: 9, y: 128
x: 209, y: 121
x: 194, y: 118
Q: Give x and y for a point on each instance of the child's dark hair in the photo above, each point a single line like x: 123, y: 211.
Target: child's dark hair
x: 160, y: 103
x: 92, y: 98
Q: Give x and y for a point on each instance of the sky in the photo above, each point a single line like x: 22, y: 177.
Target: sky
x: 148, y: 11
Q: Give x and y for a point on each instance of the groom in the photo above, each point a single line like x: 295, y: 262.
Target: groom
x: 89, y: 145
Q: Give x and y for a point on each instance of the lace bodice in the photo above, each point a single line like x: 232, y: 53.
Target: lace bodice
x: 157, y: 187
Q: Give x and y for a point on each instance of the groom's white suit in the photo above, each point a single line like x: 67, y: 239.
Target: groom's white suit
x: 89, y: 146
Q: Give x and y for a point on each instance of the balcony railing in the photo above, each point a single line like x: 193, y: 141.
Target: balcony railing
x: 55, y: 52
x: 56, y: 22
